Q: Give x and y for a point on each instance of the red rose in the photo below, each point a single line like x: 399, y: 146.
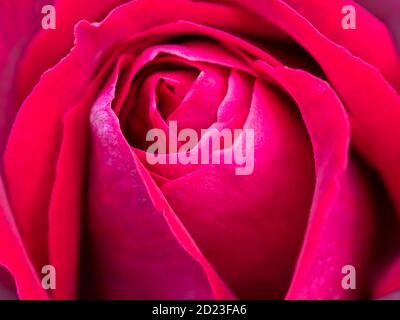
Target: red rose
x: 312, y: 199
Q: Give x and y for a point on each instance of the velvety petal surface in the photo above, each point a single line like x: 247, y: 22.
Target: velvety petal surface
x: 14, y: 258
x: 19, y: 21
x: 242, y: 228
x: 131, y: 251
x: 374, y: 115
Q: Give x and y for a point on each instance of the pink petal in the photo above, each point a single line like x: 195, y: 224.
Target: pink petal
x: 199, y: 108
x: 373, y: 106
x: 19, y: 21
x: 50, y: 100
x: 340, y: 236
x: 240, y: 222
x: 386, y: 11
x: 131, y: 251
x: 50, y: 46
x: 13, y: 255
x: 389, y: 279
x: 370, y: 41
x: 7, y: 285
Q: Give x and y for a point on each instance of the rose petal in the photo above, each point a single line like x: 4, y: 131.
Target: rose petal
x: 50, y: 100
x: 241, y: 227
x: 386, y: 11
x: 199, y: 108
x: 13, y: 255
x: 389, y: 279
x: 50, y: 46
x: 131, y: 251
x: 7, y: 285
x: 67, y: 196
x: 19, y: 21
x: 342, y: 235
x: 234, y: 106
x: 318, y: 104
x: 30, y: 197
x: 374, y: 115
x: 370, y: 34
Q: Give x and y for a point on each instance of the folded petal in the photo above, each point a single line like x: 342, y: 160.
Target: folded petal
x: 343, y: 235
x: 48, y: 47
x: 130, y: 250
x: 373, y: 105
x: 60, y: 89
x: 386, y: 11
x: 240, y: 222
x: 369, y: 35
x: 14, y: 257
x: 19, y: 21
